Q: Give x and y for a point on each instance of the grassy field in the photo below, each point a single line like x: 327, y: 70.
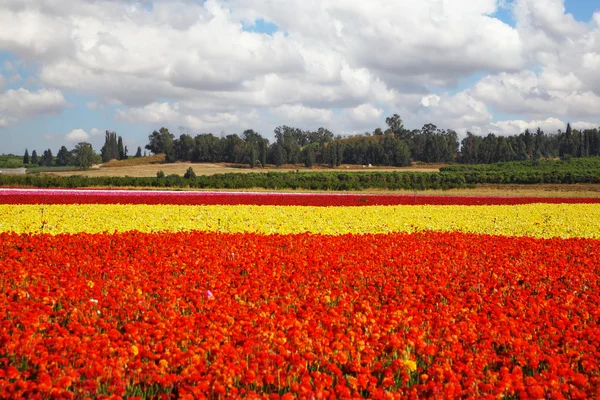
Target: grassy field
x: 11, y: 158
x: 148, y: 168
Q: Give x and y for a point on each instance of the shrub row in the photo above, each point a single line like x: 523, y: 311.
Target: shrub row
x: 316, y: 180
x: 270, y: 180
x: 590, y: 164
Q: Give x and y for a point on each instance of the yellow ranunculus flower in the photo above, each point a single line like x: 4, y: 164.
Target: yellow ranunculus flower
x: 410, y: 365
x: 536, y: 220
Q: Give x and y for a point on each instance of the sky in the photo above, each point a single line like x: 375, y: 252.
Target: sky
x: 72, y: 69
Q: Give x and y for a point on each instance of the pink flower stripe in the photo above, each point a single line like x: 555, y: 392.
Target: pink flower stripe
x: 107, y: 196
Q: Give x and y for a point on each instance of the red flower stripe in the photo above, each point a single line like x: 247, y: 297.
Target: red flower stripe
x: 203, y: 315
x: 68, y: 196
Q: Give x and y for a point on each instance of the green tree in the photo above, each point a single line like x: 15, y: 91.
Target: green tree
x: 169, y: 148
x: 395, y: 124
x: 34, y: 157
x: 568, y: 147
x: 332, y: 154
x: 26, y: 157
x: 264, y: 149
x: 63, y: 157
x: 46, y: 159
x: 402, y: 154
x: 122, y: 151
x: 279, y: 156
x: 208, y: 148
x: 138, y: 153
x: 292, y: 140
x: 83, y: 155
x: 189, y: 174
x: 159, y: 141
x: 255, y: 147
x: 184, y: 147
x: 310, y: 155
x: 110, y: 150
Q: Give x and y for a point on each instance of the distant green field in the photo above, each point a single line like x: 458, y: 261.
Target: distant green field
x: 11, y: 161
x: 10, y: 158
x: 37, y: 170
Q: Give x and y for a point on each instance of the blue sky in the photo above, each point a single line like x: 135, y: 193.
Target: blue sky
x: 582, y: 10
x: 91, y: 113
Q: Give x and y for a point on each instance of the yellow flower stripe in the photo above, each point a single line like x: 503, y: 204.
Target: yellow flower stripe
x: 536, y: 220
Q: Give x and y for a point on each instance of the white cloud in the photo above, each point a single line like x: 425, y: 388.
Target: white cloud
x: 2, y: 81
x: 16, y: 105
x: 154, y: 113
x: 430, y: 100
x: 461, y: 112
x: 585, y: 125
x: 513, y: 127
x: 186, y: 115
x: 183, y: 50
x: 191, y: 63
x: 549, y: 93
x: 364, y: 112
x: 411, y: 39
x: 77, y: 135
x: 95, y: 132
x: 299, y: 113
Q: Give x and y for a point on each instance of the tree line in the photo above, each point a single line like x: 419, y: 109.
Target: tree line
x: 82, y: 155
x: 394, y: 146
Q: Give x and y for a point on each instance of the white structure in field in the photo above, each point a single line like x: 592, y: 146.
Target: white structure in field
x: 13, y: 171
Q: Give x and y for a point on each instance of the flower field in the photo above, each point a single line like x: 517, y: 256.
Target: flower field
x: 218, y: 300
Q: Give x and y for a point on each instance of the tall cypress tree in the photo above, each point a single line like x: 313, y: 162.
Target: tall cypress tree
x: 26, y: 157
x: 46, y: 160
x: 63, y: 157
x: 120, y: 149
x: 34, y: 157
x: 110, y: 150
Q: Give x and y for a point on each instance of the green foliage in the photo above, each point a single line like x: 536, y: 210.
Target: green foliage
x: 26, y: 157
x: 38, y: 169
x: 527, y: 172
x: 64, y: 157
x: 576, y: 170
x: 270, y: 180
x: 83, y: 155
x: 34, y: 157
x: 279, y: 155
x: 189, y: 174
x: 46, y: 160
x: 12, y: 161
x: 310, y: 155
x: 163, y: 142
x: 111, y: 150
x: 122, y: 151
